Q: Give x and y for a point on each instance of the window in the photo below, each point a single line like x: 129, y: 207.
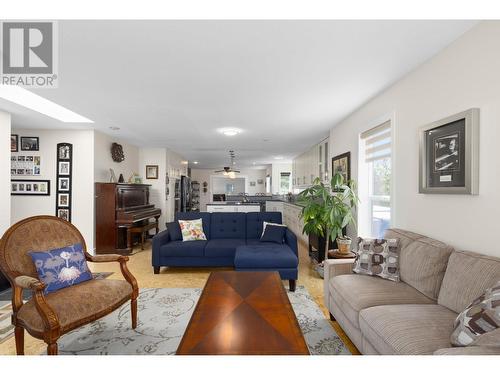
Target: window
x: 375, y: 181
x: 284, y: 182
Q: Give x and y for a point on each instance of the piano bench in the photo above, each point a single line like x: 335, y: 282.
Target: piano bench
x: 142, y: 230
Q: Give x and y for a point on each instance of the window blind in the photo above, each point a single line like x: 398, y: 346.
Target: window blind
x: 377, y: 142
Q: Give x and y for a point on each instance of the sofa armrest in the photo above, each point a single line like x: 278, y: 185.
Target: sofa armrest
x: 158, y: 241
x: 291, y: 241
x: 332, y: 268
x: 469, y: 350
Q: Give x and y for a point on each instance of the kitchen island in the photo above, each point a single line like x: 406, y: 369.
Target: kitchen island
x: 233, y: 207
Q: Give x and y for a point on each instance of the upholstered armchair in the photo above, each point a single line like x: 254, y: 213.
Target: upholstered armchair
x: 48, y: 317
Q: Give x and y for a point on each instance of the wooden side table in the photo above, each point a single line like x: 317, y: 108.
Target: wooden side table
x: 335, y: 254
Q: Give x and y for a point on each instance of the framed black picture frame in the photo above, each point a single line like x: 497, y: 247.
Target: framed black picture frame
x: 30, y: 187
x: 64, y: 180
x: 14, y: 143
x: 342, y: 163
x: 449, y: 155
x: 30, y: 144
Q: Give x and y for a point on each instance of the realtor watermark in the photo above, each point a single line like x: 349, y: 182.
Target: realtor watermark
x: 29, y: 54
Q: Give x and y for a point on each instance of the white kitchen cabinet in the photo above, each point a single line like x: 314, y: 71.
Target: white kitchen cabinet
x: 311, y: 164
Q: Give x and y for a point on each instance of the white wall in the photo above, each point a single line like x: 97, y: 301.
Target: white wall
x: 155, y: 156
x: 82, y: 214
x: 277, y: 169
x: 103, y: 160
x: 5, y: 131
x: 204, y: 175
x: 464, y: 75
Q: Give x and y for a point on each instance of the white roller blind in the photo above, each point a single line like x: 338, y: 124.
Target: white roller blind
x: 377, y: 142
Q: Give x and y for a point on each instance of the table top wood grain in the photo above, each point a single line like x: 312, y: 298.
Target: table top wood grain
x: 243, y: 313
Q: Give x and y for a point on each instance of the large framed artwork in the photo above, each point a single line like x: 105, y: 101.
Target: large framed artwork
x: 342, y: 164
x: 449, y: 155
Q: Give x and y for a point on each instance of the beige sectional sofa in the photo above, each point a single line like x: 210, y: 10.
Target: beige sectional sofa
x: 417, y: 314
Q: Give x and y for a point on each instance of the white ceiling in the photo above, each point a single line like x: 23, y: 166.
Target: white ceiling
x: 285, y: 83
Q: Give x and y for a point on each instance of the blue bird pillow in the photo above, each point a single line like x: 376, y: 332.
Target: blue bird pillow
x: 60, y: 268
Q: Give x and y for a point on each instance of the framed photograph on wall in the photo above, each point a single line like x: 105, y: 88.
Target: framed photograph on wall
x: 342, y: 164
x: 30, y: 187
x: 64, y: 177
x: 14, y: 143
x: 449, y: 155
x: 30, y: 144
x: 151, y: 172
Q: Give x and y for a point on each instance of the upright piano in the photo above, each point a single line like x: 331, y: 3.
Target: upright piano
x: 118, y: 208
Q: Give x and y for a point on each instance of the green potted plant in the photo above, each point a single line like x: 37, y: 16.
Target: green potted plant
x: 327, y: 210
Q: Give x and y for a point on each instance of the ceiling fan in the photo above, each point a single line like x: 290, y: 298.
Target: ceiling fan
x: 229, y: 171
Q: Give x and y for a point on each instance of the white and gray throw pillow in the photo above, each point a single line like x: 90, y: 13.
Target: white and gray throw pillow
x: 478, y: 319
x: 378, y: 257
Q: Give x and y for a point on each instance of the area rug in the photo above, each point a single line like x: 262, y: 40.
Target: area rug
x: 163, y: 318
x: 6, y: 328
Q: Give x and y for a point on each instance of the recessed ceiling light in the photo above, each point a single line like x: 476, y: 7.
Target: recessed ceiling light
x: 195, y: 162
x: 229, y: 132
x: 278, y: 158
x: 114, y: 128
x: 30, y: 100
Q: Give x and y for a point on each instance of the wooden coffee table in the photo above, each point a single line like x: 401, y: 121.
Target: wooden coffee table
x: 243, y: 313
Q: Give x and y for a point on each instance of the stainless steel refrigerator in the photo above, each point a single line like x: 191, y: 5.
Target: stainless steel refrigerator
x: 185, y: 192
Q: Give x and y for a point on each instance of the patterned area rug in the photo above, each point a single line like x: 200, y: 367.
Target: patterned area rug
x: 163, y: 318
x: 6, y: 328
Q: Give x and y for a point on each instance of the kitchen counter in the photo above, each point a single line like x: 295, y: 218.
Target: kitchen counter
x: 226, y: 203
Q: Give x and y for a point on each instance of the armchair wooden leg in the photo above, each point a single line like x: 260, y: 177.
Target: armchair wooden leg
x: 52, y: 349
x: 133, y: 309
x: 19, y: 334
x: 292, y: 284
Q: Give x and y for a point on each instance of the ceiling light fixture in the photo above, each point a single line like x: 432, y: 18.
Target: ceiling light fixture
x: 195, y: 162
x: 278, y: 158
x: 30, y: 100
x: 229, y: 132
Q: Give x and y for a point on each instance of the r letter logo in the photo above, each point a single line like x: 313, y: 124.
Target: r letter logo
x: 29, y: 55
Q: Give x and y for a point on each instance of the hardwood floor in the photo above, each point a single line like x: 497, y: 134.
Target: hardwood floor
x: 140, y: 266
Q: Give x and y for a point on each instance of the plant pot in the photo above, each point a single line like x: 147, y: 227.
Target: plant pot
x: 344, y: 245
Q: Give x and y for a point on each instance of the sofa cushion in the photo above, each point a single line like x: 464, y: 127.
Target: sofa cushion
x: 255, y: 222
x: 183, y: 249
x: 205, y: 216
x: 174, y: 231
x: 271, y: 256
x: 378, y: 257
x: 192, y: 230
x: 80, y: 302
x: 467, y: 277
x: 407, y: 329
x: 422, y: 261
x: 224, y: 247
x: 354, y: 293
x: 479, y: 318
x: 274, y: 233
x: 228, y: 225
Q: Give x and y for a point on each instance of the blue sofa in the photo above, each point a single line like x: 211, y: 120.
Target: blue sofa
x: 233, y: 240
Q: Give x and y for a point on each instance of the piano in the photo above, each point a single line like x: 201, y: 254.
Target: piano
x: 118, y: 208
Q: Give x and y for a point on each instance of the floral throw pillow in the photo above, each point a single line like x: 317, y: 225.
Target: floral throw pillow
x: 192, y: 230
x: 378, y: 257
x: 479, y: 318
x: 60, y: 268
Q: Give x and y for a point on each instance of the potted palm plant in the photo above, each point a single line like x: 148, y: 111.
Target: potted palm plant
x: 327, y: 210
